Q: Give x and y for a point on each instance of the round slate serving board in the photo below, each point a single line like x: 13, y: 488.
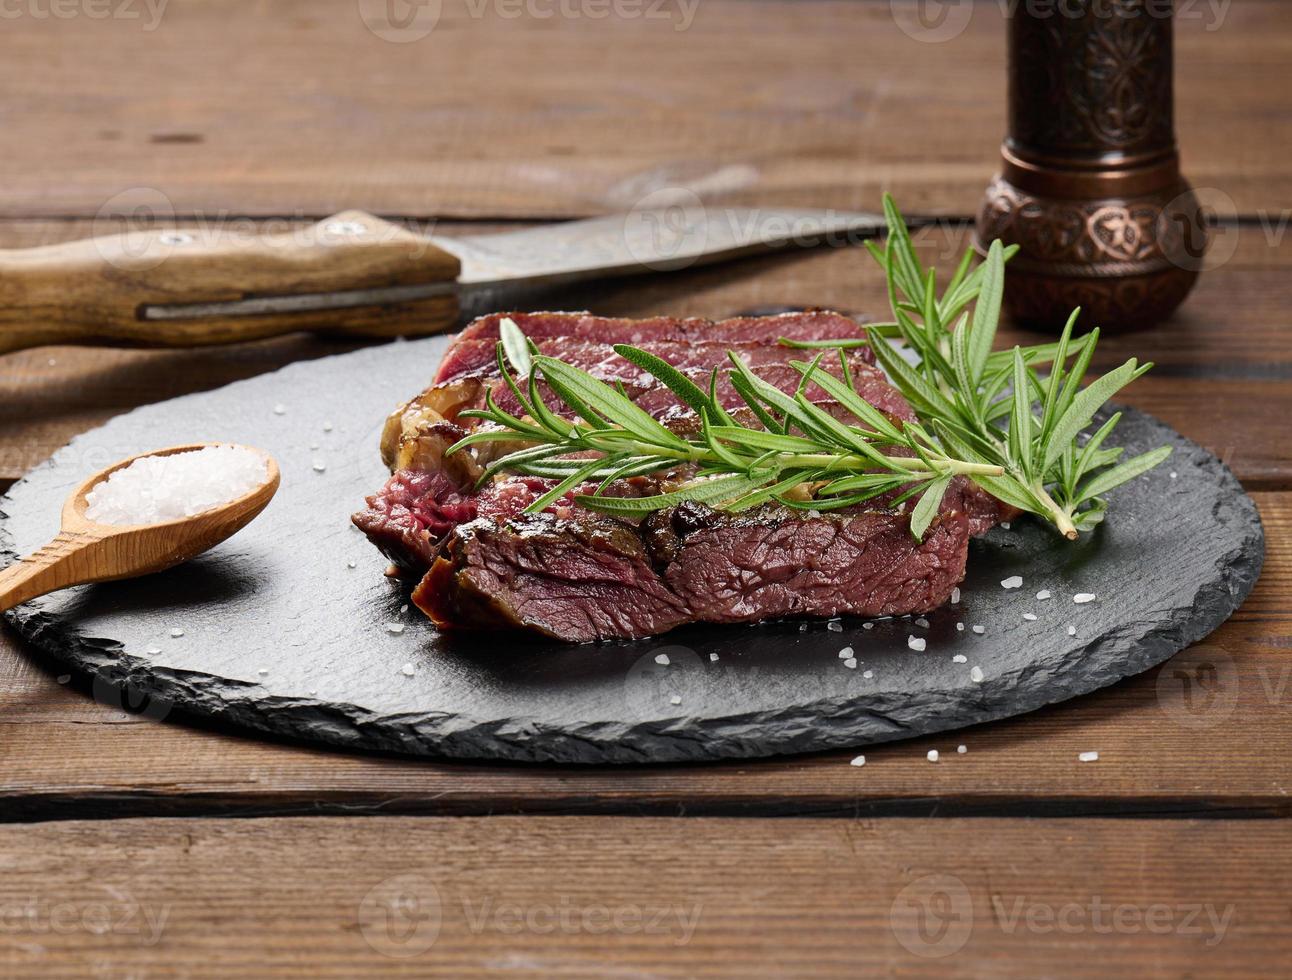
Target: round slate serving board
x: 285, y: 626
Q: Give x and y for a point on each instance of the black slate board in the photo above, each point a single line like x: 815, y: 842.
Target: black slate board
x: 1182, y: 549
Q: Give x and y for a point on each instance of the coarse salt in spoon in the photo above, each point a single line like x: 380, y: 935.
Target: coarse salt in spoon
x: 182, y: 501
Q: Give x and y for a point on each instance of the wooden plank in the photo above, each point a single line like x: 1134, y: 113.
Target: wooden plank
x: 1206, y: 733
x: 1224, y: 375
x: 297, y: 108
x: 316, y: 898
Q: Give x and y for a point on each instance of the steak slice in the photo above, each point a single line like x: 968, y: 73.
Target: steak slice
x: 590, y: 577
x: 577, y: 575
x: 474, y: 347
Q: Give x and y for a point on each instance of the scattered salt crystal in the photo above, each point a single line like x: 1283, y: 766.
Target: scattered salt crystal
x: 834, y: 627
x: 851, y: 663
x: 980, y: 630
x: 960, y: 627
x: 713, y: 656
x: 933, y: 755
x: 1072, y: 631
x: 976, y: 675
x: 1044, y: 594
x: 662, y: 659
x: 675, y: 699
x: 868, y: 626
x: 177, y: 632
x: 280, y: 409
x: 408, y: 670
x: 1013, y: 582
x: 327, y: 426
x: 1174, y: 475
x: 403, y: 609
x: 1005, y: 525
x: 922, y: 623
x: 1030, y: 617
x: 263, y: 672
x: 1088, y: 757
x: 868, y: 674
x: 1083, y: 597
x: 319, y: 466
x: 64, y: 678
x: 962, y: 749
x: 858, y: 761
x: 394, y: 627
x: 313, y: 691
x: 803, y: 627
x: 915, y: 643
x: 959, y: 658
x: 314, y: 446
x: 166, y: 488
x: 845, y: 653
x: 955, y: 594
x: 350, y: 564
x: 153, y: 651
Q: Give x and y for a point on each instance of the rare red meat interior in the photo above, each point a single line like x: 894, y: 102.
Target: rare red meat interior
x: 579, y: 575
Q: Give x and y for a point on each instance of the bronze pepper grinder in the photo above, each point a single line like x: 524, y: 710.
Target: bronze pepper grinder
x: 1090, y: 187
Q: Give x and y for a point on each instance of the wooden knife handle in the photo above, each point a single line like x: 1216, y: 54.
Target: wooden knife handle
x: 95, y: 291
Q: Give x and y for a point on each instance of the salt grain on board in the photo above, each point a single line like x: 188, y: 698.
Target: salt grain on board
x: 845, y: 653
x: 960, y: 627
x: 713, y: 656
x: 858, y: 761
x: 980, y: 630
x: 933, y: 755
x: 868, y: 674
x: 1072, y: 631
x: 962, y: 749
x: 1030, y: 617
x: 922, y: 623
x: 167, y: 488
x: 1044, y: 594
x: 834, y: 627
x: 959, y: 658
x: 851, y: 663
x: 177, y: 632
x: 916, y: 643
x: 675, y: 699
x: 394, y: 627
x: 955, y: 594
x: 1083, y: 597
x: 408, y: 670
x: 976, y: 675
x: 1088, y: 757
x: 1013, y: 582
x: 662, y: 659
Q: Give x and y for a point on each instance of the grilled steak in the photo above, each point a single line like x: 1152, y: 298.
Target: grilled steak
x: 577, y: 575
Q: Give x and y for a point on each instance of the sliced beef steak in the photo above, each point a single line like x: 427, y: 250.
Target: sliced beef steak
x: 576, y: 575
x: 590, y: 577
x: 474, y: 347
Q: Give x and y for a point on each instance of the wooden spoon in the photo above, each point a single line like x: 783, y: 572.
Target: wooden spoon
x: 85, y: 551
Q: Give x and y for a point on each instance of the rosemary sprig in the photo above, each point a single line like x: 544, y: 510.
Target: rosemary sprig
x: 985, y: 414
x: 602, y: 437
x: 966, y: 393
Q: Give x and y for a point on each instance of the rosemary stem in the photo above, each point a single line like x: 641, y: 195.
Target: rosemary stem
x: 1062, y: 520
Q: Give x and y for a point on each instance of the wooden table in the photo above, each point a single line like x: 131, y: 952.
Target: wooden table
x: 131, y: 848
